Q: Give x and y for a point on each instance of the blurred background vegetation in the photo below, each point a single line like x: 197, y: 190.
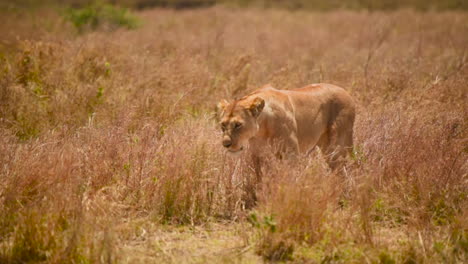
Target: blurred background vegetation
x: 320, y: 5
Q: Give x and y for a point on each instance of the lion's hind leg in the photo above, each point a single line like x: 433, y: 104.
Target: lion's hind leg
x: 335, y: 144
x: 328, y: 146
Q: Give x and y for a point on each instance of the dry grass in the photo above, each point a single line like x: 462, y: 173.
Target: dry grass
x: 109, y: 152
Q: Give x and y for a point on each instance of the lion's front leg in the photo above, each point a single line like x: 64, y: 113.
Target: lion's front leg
x: 253, y: 182
x: 288, y: 147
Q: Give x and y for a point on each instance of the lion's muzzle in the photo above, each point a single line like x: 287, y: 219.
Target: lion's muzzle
x: 227, y: 142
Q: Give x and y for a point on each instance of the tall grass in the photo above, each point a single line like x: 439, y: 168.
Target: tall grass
x: 104, y: 129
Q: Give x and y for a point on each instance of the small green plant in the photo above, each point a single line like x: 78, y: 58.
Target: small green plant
x: 268, y: 223
x: 386, y: 258
x: 273, y: 246
x: 101, y: 15
x: 442, y: 212
x: 383, y: 212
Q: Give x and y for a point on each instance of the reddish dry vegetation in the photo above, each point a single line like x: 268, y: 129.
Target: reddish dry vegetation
x: 107, y: 138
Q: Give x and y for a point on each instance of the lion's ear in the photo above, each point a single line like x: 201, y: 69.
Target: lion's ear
x: 256, y: 106
x: 221, y: 107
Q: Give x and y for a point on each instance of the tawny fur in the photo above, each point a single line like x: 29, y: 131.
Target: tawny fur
x: 295, y: 120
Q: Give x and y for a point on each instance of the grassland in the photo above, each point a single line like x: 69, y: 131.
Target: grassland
x: 109, y: 151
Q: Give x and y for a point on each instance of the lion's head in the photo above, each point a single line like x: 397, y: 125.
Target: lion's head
x: 238, y: 121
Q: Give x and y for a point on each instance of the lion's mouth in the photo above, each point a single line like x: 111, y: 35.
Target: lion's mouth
x: 236, y: 150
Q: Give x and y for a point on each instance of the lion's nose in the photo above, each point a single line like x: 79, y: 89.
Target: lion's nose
x: 227, y: 143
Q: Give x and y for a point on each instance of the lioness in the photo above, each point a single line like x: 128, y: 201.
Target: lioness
x: 295, y: 120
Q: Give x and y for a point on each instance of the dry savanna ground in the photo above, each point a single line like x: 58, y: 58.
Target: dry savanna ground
x: 109, y: 151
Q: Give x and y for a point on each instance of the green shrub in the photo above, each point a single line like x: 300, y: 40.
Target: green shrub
x: 271, y: 245
x: 101, y: 15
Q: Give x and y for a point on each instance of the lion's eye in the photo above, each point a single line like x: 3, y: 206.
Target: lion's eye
x: 237, y: 125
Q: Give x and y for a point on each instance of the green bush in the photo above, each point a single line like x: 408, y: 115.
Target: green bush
x: 101, y: 15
